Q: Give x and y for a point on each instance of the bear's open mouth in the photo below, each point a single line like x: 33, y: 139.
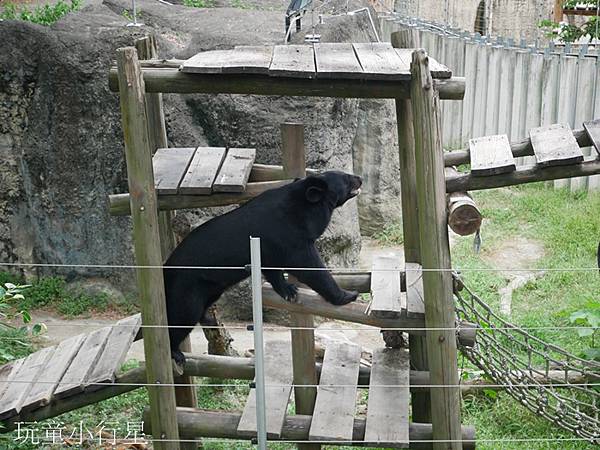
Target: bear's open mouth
x: 355, y: 192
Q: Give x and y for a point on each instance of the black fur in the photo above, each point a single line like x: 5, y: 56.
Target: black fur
x: 288, y: 220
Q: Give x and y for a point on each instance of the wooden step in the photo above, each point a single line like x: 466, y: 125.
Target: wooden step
x: 202, y: 171
x: 387, y: 300
x: 170, y: 165
x: 278, y: 387
x: 555, y: 145
x: 333, y: 417
x: 388, y: 407
x: 339, y: 61
x: 235, y: 171
x: 491, y: 155
x: 593, y: 130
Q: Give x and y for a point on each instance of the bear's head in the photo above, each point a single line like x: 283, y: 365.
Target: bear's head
x: 333, y: 187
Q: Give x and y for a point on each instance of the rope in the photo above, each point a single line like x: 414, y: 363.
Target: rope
x: 512, y: 357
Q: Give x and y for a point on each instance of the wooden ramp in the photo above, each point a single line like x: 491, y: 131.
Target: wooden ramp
x: 362, y: 61
x: 333, y: 419
x: 77, y: 365
x: 202, y: 170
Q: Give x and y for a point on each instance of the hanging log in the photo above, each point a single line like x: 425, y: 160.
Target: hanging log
x: 464, y: 217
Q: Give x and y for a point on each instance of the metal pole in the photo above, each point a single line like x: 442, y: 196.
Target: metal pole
x: 259, y: 362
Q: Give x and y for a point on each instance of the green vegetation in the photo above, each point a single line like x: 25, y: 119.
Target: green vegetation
x: 199, y: 3
x: 392, y: 234
x: 42, y: 15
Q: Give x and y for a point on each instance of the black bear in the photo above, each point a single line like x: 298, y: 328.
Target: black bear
x: 288, y: 220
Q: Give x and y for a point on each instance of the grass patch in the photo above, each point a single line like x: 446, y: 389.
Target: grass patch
x: 15, y: 343
x: 392, y: 234
x: 199, y: 3
x: 42, y: 15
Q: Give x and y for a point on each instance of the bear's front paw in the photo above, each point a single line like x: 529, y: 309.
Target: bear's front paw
x: 178, y: 356
x: 291, y: 291
x: 347, y: 297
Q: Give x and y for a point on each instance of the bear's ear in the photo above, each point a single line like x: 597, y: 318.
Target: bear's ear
x: 315, y: 189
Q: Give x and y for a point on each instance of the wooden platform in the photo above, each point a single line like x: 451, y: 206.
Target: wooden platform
x: 364, y: 61
x: 557, y: 155
x: 387, y: 421
x: 202, y: 170
x: 78, y: 365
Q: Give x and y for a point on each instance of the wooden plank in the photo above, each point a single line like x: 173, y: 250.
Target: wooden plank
x: 333, y: 417
x: 592, y: 128
x: 380, y: 61
x: 555, y: 145
x: 202, y: 171
x: 415, y: 303
x: 255, y: 59
x: 73, y: 381
x: 8, y: 372
x: 387, y: 299
x: 169, y: 166
x: 491, y: 155
x: 387, y: 411
x: 235, y: 170
x: 337, y: 61
x: 23, y: 381
x: 293, y: 61
x: 41, y: 393
x: 207, y: 62
x: 117, y: 345
x: 278, y: 387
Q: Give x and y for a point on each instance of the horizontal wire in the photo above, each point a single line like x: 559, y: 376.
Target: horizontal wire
x: 430, y: 386
x: 348, y: 270
x: 416, y: 441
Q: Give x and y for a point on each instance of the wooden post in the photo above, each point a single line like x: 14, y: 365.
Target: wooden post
x: 146, y: 242
x: 557, y: 13
x: 157, y: 135
x: 421, y: 402
x: 303, y: 341
x: 435, y: 257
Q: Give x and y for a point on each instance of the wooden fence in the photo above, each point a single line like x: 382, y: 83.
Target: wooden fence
x: 511, y: 88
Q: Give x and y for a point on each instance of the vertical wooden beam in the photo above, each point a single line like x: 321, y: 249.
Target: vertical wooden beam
x: 303, y: 341
x: 421, y: 401
x: 557, y: 13
x: 146, y: 242
x: 157, y: 135
x: 435, y: 257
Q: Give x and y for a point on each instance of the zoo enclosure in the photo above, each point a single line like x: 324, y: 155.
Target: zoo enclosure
x: 510, y: 87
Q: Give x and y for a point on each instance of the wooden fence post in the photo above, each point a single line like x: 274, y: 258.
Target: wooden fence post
x: 146, y: 242
x: 435, y: 258
x: 303, y: 341
x: 157, y: 135
x: 421, y: 402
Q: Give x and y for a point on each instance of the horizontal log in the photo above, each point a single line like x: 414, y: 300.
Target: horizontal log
x: 518, y: 148
x: 196, y: 423
x: 359, y: 281
x: 119, y: 203
x: 170, y: 80
x: 309, y: 302
x: 527, y: 174
x: 267, y: 172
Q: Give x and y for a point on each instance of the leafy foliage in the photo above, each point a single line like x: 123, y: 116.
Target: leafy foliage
x: 589, y: 318
x: 567, y: 32
x: 42, y: 15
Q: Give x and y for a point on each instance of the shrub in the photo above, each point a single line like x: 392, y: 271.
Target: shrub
x: 42, y: 15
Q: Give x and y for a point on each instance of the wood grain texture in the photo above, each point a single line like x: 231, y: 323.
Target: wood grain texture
x: 30, y: 371
x: 278, y: 387
x: 202, y: 171
x: 335, y: 60
x: 207, y: 62
x: 555, y: 145
x: 235, y: 170
x: 593, y: 130
x: 117, y: 345
x: 250, y: 59
x: 75, y: 378
x: 293, y: 61
x: 170, y: 166
x: 414, y: 290
x: 379, y: 60
x: 333, y: 418
x: 491, y: 155
x: 387, y: 299
x: 7, y: 373
x: 41, y: 393
x: 388, y: 408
